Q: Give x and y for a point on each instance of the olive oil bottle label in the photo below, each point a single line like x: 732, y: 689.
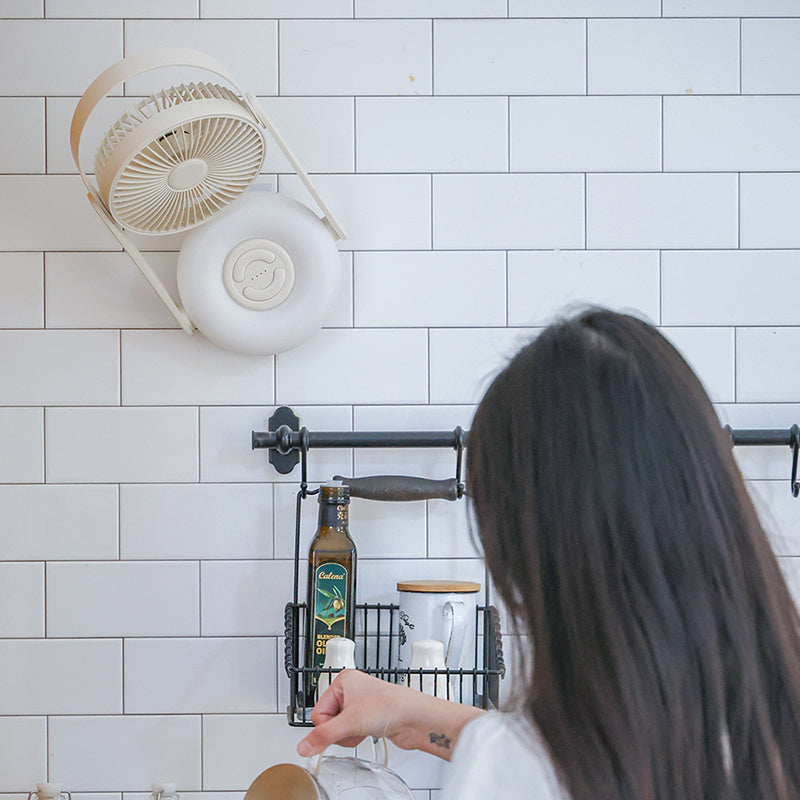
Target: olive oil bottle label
x: 330, y: 607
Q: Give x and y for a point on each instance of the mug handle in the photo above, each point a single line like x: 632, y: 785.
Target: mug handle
x: 456, y: 613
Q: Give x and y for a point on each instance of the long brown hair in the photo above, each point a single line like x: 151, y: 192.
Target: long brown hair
x: 618, y: 531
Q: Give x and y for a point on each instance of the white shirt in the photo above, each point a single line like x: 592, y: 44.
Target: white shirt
x: 500, y: 757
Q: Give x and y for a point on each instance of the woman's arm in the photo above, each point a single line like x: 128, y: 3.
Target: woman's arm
x: 357, y: 705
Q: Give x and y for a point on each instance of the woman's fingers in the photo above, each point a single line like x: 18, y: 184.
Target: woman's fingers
x: 343, y: 729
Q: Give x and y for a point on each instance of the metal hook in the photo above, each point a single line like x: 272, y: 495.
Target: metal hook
x: 794, y: 432
x: 459, y: 447
x: 304, y: 461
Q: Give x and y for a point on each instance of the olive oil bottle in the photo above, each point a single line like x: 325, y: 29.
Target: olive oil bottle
x: 331, y: 579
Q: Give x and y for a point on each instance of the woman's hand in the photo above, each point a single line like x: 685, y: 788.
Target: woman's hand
x: 357, y: 705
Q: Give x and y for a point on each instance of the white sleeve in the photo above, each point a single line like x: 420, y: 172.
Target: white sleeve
x: 495, y: 759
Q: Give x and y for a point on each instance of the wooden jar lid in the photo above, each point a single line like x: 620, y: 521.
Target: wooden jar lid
x: 441, y: 587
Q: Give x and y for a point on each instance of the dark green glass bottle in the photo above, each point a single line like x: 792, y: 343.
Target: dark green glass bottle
x: 331, y: 578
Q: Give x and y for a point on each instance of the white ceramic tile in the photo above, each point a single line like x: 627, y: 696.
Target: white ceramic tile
x: 21, y: 600
x: 21, y: 9
x: 127, y: 752
x: 22, y: 445
x: 320, y: 132
x: 380, y: 530
x: 429, y: 289
x: 731, y: 133
x: 584, y: 8
x: 106, y: 290
x: 666, y: 56
x: 762, y: 463
x: 507, y: 211
x: 377, y: 212
x: 734, y: 287
x: 31, y: 48
x: 226, y: 454
x: 777, y: 509
x: 432, y: 134
x: 171, y: 368
x: 661, y: 210
x: 430, y: 8
x: 167, y: 9
x: 450, y: 534
x: 129, y: 445
x: 767, y: 201
x: 509, y: 57
x: 21, y: 290
x: 236, y: 748
x: 429, y: 462
x: 355, y: 366
x: 770, y: 60
x: 52, y: 522
x: 116, y: 598
x: 209, y: 520
x: 542, y: 285
x: 59, y: 367
x: 348, y: 57
x: 710, y: 353
x: 585, y: 134
x: 464, y: 361
x: 761, y: 365
x: 49, y: 212
x: 88, y: 679
x: 276, y: 8
x: 205, y: 676
x: 23, y: 752
x: 244, y: 598
x: 22, y: 141
x: 247, y: 48
x: 341, y: 315
x: 731, y: 8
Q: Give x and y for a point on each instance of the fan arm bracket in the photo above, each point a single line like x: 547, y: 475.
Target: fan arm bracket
x: 139, y: 260
x: 327, y: 215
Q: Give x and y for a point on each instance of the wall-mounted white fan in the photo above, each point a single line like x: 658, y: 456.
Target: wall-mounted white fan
x: 255, y: 276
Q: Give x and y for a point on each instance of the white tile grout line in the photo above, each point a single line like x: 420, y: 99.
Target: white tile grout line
x: 740, y: 55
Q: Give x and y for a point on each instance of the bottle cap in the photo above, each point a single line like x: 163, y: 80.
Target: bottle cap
x: 334, y: 492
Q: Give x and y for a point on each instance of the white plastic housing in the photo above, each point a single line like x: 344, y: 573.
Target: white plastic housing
x: 268, y: 328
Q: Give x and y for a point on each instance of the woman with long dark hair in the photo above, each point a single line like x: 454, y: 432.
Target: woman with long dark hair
x: 665, y: 658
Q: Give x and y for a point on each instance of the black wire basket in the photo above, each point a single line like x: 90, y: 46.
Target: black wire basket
x: 376, y: 654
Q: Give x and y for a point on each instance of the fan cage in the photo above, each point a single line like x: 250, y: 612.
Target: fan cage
x: 151, y: 106
x: 229, y: 146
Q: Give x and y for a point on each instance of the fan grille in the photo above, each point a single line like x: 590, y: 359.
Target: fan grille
x: 223, y: 154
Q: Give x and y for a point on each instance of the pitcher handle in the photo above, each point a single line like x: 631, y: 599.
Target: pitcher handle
x: 385, y: 748
x: 374, y: 740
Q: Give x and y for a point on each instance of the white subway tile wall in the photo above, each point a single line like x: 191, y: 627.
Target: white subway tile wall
x: 493, y: 162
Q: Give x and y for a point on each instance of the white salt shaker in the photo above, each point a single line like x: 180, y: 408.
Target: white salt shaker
x: 339, y: 654
x: 428, y: 654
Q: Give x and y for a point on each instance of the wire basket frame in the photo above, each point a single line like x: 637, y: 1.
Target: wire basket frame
x: 376, y: 654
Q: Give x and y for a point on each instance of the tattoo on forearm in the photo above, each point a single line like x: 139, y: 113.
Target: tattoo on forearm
x: 440, y: 739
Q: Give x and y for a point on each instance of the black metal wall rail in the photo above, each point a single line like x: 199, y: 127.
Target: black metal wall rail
x: 289, y: 444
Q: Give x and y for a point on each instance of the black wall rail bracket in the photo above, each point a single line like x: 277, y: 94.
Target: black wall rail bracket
x: 287, y: 443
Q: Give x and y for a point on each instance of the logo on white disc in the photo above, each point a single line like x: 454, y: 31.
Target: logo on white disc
x: 258, y: 274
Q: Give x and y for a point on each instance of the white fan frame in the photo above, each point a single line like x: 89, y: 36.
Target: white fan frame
x: 138, y: 64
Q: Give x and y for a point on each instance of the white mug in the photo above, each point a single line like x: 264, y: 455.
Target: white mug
x: 444, y: 611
